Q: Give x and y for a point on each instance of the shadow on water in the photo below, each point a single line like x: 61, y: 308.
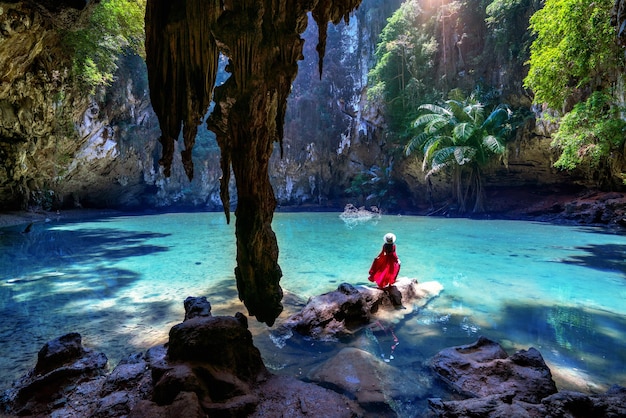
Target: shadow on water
x: 574, y: 340
x: 604, y: 257
x: 62, y: 281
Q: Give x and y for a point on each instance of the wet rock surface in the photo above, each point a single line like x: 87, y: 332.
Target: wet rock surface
x: 210, y: 367
x: 349, y: 308
x: 521, y: 385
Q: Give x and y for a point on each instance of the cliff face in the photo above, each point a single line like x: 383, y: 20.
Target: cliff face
x: 331, y: 135
x: 60, y: 147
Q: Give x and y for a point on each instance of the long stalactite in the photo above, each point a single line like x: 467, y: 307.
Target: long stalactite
x: 261, y: 39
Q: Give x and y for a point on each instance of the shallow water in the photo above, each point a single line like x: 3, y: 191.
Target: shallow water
x: 120, y: 282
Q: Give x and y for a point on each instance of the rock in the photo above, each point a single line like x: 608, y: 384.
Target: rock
x: 566, y: 404
x: 297, y: 399
x: 367, y: 379
x: 185, y: 405
x: 483, y: 368
x: 492, y: 406
x: 62, y: 365
x: 58, y: 352
x: 611, y: 404
x: 223, y: 342
x: 517, y: 386
x: 349, y: 308
x: 196, y: 307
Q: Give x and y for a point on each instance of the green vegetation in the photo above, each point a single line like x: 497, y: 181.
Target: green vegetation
x: 575, y: 49
x: 115, y: 27
x: 575, y: 56
x: 457, y: 136
x: 404, y: 74
x: 374, y: 186
x: 589, y: 133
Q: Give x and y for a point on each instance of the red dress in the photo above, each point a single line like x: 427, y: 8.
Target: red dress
x: 385, y: 267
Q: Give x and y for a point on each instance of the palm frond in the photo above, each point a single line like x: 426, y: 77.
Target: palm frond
x: 493, y: 144
x: 463, y: 131
x: 457, y: 111
x: 416, y: 142
x: 475, y: 112
x: 438, y: 167
x: 497, y: 118
x: 433, y: 108
x: 443, y: 155
x: 464, y: 155
x: 436, y: 125
x: 425, y: 119
x: 430, y: 148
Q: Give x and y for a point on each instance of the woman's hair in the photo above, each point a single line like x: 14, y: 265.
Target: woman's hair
x: 387, y: 247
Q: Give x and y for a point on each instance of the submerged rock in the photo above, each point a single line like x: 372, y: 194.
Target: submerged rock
x: 364, y: 377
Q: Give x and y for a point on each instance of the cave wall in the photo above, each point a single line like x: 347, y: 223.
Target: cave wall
x: 61, y: 147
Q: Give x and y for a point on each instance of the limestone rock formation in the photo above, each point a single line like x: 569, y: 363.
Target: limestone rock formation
x: 262, y: 41
x: 347, y: 309
x: 499, y: 385
x: 210, y: 367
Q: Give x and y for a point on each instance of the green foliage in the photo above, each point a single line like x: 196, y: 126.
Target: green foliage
x: 507, y: 21
x: 404, y: 73
x: 458, y: 136
x: 374, y: 186
x: 115, y: 27
x: 575, y: 48
x: 590, y: 132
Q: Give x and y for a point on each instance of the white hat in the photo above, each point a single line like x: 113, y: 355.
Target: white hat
x: 390, y: 238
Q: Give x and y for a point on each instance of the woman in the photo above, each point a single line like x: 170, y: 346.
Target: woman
x: 386, y: 266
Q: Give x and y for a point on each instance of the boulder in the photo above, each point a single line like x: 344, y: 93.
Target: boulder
x: 368, y: 380
x: 484, y: 368
x: 62, y: 364
x: 611, y: 404
x: 349, y: 308
x: 517, y: 386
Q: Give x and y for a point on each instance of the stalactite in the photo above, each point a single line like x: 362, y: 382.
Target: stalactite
x: 263, y: 43
x: 181, y: 57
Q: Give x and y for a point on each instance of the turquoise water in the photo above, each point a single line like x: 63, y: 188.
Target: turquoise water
x: 120, y: 282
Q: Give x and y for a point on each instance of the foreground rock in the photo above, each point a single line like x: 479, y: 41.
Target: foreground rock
x: 61, y: 364
x: 209, y: 367
x: 372, y: 382
x: 349, y: 308
x: 520, y: 385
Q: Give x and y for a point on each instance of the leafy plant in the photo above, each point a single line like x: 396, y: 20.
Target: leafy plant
x: 458, y: 137
x: 591, y: 131
x: 374, y: 186
x: 115, y: 27
x: 575, y: 49
x: 404, y: 73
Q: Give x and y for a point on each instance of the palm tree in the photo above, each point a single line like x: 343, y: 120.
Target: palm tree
x: 457, y: 136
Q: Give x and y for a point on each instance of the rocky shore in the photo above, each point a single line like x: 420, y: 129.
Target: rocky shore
x: 210, y: 367
x: 589, y: 207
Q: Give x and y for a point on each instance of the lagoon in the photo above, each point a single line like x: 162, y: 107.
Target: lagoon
x: 120, y: 282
